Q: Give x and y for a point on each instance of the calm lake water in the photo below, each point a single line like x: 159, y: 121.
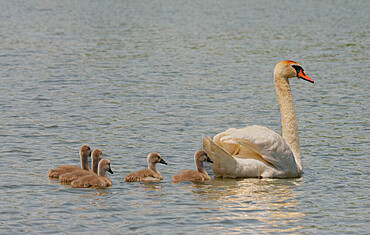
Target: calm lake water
x: 132, y: 77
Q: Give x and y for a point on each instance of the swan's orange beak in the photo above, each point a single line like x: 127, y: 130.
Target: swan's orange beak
x: 302, y: 75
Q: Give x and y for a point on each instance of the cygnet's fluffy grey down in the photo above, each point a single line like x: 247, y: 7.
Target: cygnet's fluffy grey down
x: 200, y: 156
x: 96, y: 156
x: 93, y: 180
x: 150, y: 174
x: 85, y: 152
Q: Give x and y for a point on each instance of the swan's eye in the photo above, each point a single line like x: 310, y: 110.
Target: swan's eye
x: 297, y: 68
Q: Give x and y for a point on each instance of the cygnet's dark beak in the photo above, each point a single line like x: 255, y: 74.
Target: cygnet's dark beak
x: 163, y: 161
x: 110, y: 171
x: 209, y: 160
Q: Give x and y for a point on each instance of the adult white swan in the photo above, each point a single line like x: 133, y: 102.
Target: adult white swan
x: 256, y: 151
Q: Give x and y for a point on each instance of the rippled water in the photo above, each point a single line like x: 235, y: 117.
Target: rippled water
x: 139, y: 76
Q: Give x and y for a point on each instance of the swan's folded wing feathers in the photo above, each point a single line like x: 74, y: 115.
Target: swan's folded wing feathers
x: 258, y: 142
x: 248, y: 150
x: 212, y: 148
x: 223, y: 162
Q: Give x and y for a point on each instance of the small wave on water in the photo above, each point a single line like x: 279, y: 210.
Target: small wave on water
x: 142, y: 76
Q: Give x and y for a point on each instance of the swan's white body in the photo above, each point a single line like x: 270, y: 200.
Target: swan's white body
x: 256, y: 151
x: 253, y: 151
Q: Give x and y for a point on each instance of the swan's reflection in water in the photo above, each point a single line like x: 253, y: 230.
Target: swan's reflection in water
x: 269, y: 204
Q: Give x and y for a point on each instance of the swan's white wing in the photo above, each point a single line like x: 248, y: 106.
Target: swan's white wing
x: 260, y: 143
x: 223, y: 163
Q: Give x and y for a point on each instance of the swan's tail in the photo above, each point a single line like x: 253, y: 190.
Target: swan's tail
x: 223, y: 163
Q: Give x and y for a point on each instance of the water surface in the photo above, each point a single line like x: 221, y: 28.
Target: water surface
x: 139, y: 76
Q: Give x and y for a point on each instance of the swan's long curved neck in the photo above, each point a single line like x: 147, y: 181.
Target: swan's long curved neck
x: 200, y: 167
x: 84, y: 158
x: 288, y: 118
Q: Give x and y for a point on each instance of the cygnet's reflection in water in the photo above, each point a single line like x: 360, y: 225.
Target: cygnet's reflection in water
x: 96, y: 193
x: 154, y: 186
x: 96, y: 198
x: 269, y: 204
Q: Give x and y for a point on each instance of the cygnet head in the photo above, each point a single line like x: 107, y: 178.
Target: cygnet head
x: 290, y: 69
x: 96, y: 155
x: 85, y: 150
x: 104, y: 165
x: 202, y: 156
x: 154, y: 158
